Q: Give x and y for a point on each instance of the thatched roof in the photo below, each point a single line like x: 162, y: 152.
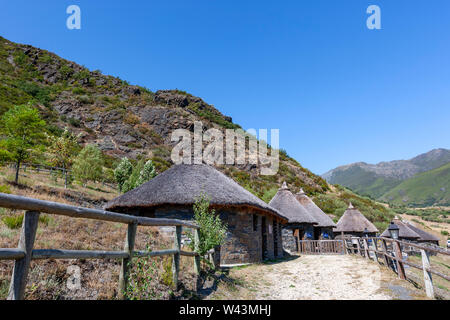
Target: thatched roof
x: 182, y: 184
x: 353, y: 221
x: 409, y: 231
x: 314, y: 211
x: 424, y: 236
x: 404, y: 231
x: 286, y: 203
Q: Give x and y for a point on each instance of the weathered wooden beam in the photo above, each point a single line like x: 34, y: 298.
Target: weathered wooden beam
x: 419, y: 246
x: 197, y: 257
x: 428, y: 280
x: 156, y: 253
x: 400, y: 266
x: 188, y: 253
x: 375, y: 246
x: 25, y: 203
x: 126, y: 262
x: 77, y: 254
x: 176, y: 257
x: 11, y: 254
x: 366, y: 248
x: 21, y: 266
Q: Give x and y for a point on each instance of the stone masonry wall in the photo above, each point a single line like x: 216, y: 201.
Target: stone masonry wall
x: 243, y: 244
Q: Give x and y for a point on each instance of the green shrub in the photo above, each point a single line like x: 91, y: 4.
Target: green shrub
x: 5, y: 188
x: 444, y: 232
x: 13, y: 221
x: 78, y: 90
x: 141, y: 275
x: 212, y: 229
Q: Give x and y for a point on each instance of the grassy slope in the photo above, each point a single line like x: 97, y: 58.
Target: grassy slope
x: 424, y: 189
x: 364, y: 182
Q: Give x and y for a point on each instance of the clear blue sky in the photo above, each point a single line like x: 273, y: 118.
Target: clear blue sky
x: 338, y: 92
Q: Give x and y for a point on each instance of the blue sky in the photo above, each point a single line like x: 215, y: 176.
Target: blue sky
x: 338, y: 92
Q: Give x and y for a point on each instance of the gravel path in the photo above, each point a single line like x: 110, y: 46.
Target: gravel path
x: 322, y: 277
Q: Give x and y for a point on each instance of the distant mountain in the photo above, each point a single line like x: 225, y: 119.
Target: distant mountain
x: 424, y: 189
x: 378, y: 180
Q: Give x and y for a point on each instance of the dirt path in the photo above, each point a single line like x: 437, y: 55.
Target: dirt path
x: 315, y: 278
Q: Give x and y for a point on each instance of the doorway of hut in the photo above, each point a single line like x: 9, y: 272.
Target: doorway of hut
x: 264, y: 238
x: 317, y: 233
x: 275, y: 238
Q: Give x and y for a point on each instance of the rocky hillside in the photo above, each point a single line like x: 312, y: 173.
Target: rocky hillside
x: 382, y: 180
x: 123, y: 119
x: 130, y: 120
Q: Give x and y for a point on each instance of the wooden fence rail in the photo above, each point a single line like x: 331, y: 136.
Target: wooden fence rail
x: 24, y: 253
x: 319, y: 247
x: 50, y: 170
x: 392, y: 255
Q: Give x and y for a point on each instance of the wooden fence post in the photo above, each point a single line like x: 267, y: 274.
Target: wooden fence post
x: 176, y: 257
x: 426, y: 274
x: 375, y: 246
x: 358, y: 246
x: 197, y: 257
x: 398, y: 255
x: 21, y: 266
x: 386, y: 259
x: 125, y: 266
x: 366, y: 248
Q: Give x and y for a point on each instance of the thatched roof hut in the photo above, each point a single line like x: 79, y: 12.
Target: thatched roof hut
x: 405, y: 232
x: 354, y: 222
x: 182, y: 184
x: 286, y: 203
x: 424, y: 236
x: 410, y: 232
x: 300, y: 224
x: 314, y: 211
x: 253, y: 227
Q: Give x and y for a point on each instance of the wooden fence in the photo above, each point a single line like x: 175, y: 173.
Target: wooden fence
x: 24, y: 253
x: 321, y: 247
x: 390, y: 252
x: 38, y: 168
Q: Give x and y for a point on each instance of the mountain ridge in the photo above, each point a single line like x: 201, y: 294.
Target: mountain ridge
x: 377, y: 180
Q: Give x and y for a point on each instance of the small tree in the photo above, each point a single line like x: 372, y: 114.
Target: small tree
x: 140, y: 174
x: 63, y: 150
x: 23, y: 130
x: 123, y: 172
x: 212, y: 229
x: 88, y: 164
x: 147, y: 173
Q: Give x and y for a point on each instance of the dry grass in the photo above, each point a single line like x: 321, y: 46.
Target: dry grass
x: 99, y: 278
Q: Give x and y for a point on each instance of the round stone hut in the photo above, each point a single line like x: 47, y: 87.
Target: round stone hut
x: 300, y: 224
x: 254, y: 228
x: 324, y: 227
x: 404, y: 232
x: 354, y: 223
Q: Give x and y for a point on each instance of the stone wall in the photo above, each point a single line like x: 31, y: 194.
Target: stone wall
x: 243, y: 243
x: 306, y: 232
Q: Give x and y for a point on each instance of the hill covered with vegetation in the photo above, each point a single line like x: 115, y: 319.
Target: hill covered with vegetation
x: 424, y: 189
x: 420, y: 181
x: 131, y: 121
